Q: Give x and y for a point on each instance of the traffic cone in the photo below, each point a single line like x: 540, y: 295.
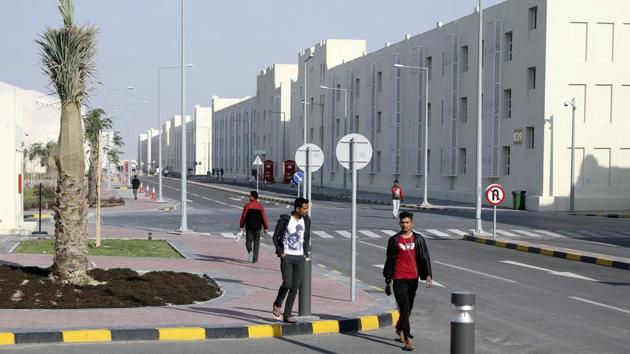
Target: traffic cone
x: 146, y: 192
x: 141, y: 188
x: 153, y: 194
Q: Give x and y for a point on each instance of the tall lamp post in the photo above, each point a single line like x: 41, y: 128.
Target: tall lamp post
x: 425, y: 152
x: 129, y: 142
x: 478, y: 180
x: 572, y: 193
x: 183, y: 228
x: 159, y: 121
x: 307, y: 179
x: 128, y: 88
x: 345, y: 121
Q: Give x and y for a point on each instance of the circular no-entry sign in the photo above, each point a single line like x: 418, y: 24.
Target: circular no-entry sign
x: 495, y: 194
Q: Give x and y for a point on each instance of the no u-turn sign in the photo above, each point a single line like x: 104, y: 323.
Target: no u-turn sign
x: 495, y: 194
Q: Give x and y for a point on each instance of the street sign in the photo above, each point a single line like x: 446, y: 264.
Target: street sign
x: 298, y: 177
x: 316, y: 158
x: 495, y: 194
x: 362, y: 153
x: 257, y: 161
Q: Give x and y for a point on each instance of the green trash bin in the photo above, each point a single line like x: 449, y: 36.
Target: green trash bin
x: 518, y: 200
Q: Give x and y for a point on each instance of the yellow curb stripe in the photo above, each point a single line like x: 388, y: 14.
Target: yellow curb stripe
x: 369, y: 323
x: 546, y: 252
x: 264, y: 331
x: 501, y: 244
x: 185, y: 333
x: 94, y: 335
x: 574, y: 257
x: 7, y: 338
x: 522, y: 248
x: 481, y: 240
x: 321, y: 327
x: 395, y: 316
x: 604, y: 262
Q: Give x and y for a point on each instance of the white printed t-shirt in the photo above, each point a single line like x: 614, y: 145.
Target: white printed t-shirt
x: 293, y: 239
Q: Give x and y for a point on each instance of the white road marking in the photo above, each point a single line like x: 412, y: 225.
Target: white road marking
x: 369, y: 234
x: 550, y: 271
x: 527, y: 233
x: 236, y: 199
x: 458, y: 232
x: 600, y: 304
x: 323, y: 234
x: 389, y: 233
x: 371, y: 244
x: 599, y: 243
x: 507, y: 233
x: 587, y: 233
x: 228, y: 235
x: 437, y: 233
x: 478, y: 273
x: 549, y: 233
x: 343, y: 233
x: 625, y: 232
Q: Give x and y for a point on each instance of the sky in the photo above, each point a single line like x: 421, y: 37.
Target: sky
x: 228, y: 43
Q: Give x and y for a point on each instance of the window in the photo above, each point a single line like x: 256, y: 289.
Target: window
x: 378, y: 161
x: 462, y: 161
x: 337, y: 127
x: 429, y: 114
x: 529, y: 135
x: 443, y: 63
x: 463, y: 109
x: 508, y: 46
x: 430, y: 67
x: 506, y: 161
x: 442, y: 114
x: 311, y: 136
x: 533, y: 17
x: 507, y: 103
x: 464, y: 59
x: 356, y: 87
x: 379, y: 81
x: 379, y: 121
x: 338, y: 93
x: 356, y: 123
x: 531, y: 78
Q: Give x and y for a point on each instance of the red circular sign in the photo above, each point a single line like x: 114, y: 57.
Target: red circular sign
x: 495, y: 194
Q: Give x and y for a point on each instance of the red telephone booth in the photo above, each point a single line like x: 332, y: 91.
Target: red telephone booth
x: 126, y: 166
x: 289, y: 171
x: 268, y: 171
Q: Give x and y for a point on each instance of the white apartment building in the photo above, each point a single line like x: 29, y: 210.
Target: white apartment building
x: 256, y: 126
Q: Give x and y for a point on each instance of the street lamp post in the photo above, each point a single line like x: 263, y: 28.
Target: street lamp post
x: 109, y: 178
x: 425, y: 153
x: 572, y: 193
x: 345, y: 120
x: 160, y: 200
x: 183, y: 228
x: 307, y: 179
x: 478, y: 191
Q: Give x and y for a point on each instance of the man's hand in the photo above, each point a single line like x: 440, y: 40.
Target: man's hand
x: 242, y: 229
x: 283, y: 255
x: 429, y: 281
x: 266, y: 230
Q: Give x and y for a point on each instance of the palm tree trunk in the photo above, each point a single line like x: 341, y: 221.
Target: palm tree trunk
x: 70, y: 261
x: 92, y: 175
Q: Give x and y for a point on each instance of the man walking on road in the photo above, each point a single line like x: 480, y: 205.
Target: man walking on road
x: 253, y: 219
x: 135, y: 184
x: 292, y: 238
x: 221, y: 173
x: 407, y: 260
x: 397, y: 197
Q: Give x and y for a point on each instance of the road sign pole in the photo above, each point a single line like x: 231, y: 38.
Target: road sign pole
x: 494, y: 223
x: 354, y: 222
x: 257, y: 174
x: 305, y: 287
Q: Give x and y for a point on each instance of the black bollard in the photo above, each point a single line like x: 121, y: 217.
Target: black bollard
x: 462, y: 323
x: 40, y: 232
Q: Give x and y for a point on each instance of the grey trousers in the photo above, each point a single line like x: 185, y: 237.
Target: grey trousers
x: 292, y: 268
x: 252, y: 242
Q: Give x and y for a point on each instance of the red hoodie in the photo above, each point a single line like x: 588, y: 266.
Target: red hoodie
x: 400, y: 192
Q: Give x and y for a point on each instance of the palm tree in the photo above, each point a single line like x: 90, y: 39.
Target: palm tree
x: 68, y: 59
x: 94, y: 123
x: 44, y: 153
x: 112, y: 152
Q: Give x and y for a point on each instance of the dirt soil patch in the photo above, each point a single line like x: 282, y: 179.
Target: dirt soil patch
x: 31, y: 288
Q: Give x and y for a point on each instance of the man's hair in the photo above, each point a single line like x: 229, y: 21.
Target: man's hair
x: 405, y: 214
x: 299, y: 203
x: 135, y: 176
x: 253, y: 194
x: 395, y: 181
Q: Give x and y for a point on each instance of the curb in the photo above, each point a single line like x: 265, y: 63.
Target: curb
x: 604, y: 215
x: 352, y: 325
x: 602, y: 260
x: 38, y: 216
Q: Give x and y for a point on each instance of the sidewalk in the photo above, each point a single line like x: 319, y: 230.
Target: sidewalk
x: 244, y: 310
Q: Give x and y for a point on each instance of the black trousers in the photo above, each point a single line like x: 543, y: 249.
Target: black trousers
x: 292, y: 268
x: 252, y: 242
x: 405, y: 294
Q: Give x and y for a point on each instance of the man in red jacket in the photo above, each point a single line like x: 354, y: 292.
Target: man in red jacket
x: 253, y: 220
x: 397, y: 197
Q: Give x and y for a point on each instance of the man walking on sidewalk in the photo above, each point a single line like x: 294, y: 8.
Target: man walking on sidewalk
x: 253, y: 219
x: 292, y: 238
x: 397, y: 197
x: 407, y: 260
x: 135, y: 184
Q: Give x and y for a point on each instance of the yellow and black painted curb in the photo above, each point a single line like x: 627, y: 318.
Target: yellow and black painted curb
x: 38, y: 216
x: 363, y: 323
x: 604, y: 215
x: 552, y: 252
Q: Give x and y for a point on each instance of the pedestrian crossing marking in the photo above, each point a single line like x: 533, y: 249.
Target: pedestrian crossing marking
x: 389, y: 232
x: 551, y: 234
x: 369, y: 234
x: 458, y: 232
x: 437, y: 233
x: 343, y: 233
x: 228, y: 235
x: 323, y: 234
x: 527, y: 233
x: 507, y: 233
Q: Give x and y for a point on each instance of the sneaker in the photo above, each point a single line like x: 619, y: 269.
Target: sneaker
x: 289, y: 319
x: 250, y: 257
x: 276, y: 313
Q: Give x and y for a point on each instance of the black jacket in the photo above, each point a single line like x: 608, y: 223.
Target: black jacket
x: 422, y: 257
x: 135, y: 183
x: 281, y: 228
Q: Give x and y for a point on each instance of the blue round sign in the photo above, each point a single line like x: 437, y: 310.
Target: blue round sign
x: 298, y: 177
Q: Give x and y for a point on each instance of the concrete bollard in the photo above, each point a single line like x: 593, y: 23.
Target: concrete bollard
x: 462, y: 323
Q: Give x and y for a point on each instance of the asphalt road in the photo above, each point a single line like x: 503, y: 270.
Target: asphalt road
x: 526, y: 303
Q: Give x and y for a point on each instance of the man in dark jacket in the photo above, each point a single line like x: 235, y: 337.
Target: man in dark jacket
x: 253, y: 219
x: 292, y: 238
x: 407, y: 260
x: 135, y: 184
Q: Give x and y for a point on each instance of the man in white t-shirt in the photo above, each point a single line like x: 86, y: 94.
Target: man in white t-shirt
x: 292, y: 240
